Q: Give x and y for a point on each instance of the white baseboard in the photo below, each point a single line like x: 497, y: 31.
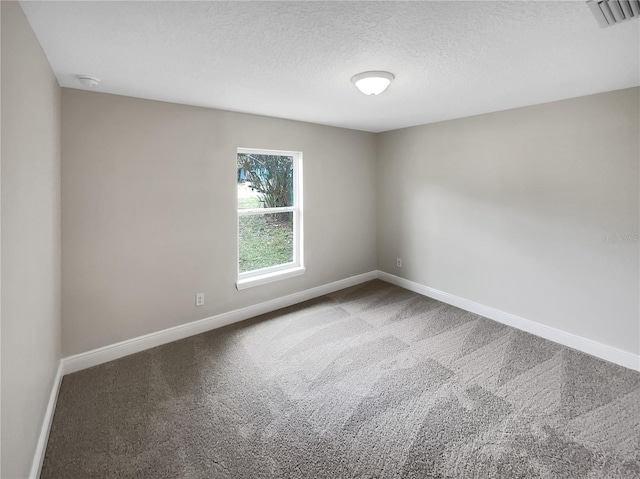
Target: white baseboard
x: 41, y: 447
x: 594, y: 348
x: 115, y: 351
x: 105, y: 354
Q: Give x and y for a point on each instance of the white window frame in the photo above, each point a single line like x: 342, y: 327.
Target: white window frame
x: 296, y: 267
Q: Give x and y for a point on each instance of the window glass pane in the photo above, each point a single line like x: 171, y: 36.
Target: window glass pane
x: 264, y: 181
x: 265, y: 240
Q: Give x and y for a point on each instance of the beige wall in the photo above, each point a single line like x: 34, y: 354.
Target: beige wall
x: 149, y: 213
x: 30, y: 239
x: 532, y: 211
x: 512, y: 210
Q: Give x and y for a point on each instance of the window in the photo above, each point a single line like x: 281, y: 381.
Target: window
x: 269, y: 191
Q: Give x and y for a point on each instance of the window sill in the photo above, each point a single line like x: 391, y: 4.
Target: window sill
x: 269, y: 277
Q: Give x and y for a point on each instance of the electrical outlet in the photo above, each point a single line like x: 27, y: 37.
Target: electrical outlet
x: 399, y: 262
x: 199, y: 299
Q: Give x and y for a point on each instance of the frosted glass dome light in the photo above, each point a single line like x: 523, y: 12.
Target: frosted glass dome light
x: 372, y: 83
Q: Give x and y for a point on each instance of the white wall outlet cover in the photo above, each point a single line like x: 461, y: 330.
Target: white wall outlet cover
x: 199, y: 299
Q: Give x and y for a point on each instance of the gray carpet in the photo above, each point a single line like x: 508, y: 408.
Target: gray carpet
x: 370, y: 382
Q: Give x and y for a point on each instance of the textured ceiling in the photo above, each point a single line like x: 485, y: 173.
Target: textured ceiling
x: 295, y: 59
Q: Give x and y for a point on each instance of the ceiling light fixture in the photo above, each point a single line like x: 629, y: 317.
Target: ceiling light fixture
x: 372, y: 83
x: 88, y: 81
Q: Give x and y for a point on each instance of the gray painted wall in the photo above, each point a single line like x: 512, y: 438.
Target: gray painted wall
x: 30, y: 239
x: 532, y: 211
x: 149, y: 212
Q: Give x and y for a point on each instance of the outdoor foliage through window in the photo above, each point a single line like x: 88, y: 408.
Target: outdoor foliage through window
x: 266, y: 211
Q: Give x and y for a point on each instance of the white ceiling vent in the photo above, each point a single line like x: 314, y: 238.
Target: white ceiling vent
x: 612, y: 12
